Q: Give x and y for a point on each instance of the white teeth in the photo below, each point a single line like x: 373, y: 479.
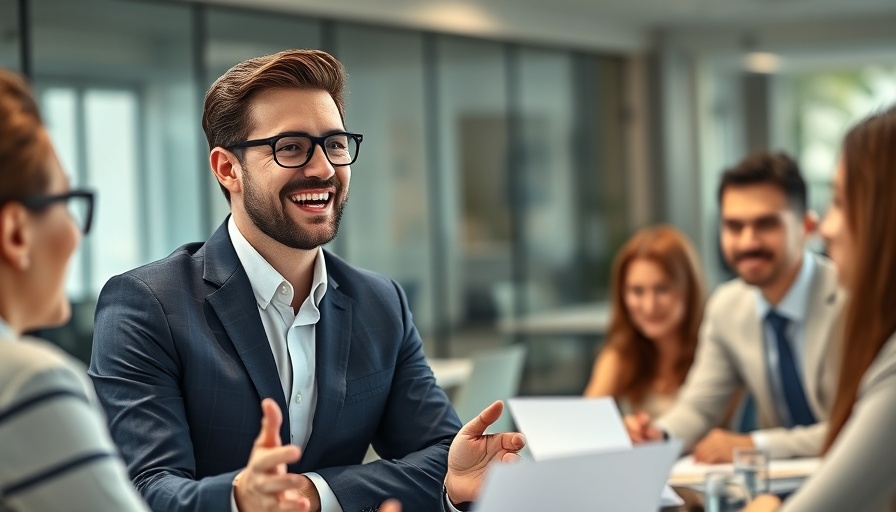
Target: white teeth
x: 323, y: 196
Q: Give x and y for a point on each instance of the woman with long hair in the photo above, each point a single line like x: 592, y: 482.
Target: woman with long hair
x: 859, y: 464
x: 657, y: 305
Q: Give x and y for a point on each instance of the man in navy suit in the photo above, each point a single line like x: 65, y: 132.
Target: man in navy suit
x: 186, y: 348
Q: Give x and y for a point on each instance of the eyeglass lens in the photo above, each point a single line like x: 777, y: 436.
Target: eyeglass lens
x: 294, y: 151
x: 78, y: 209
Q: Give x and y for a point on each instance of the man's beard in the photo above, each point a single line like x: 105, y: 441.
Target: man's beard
x: 269, y: 216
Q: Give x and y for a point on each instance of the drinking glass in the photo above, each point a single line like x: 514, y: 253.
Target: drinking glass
x: 724, y: 491
x: 752, y: 465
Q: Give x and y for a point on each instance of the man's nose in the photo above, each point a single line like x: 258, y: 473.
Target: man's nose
x: 319, y: 166
x: 749, y: 237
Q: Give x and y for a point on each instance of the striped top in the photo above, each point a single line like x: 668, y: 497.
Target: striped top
x: 55, y: 450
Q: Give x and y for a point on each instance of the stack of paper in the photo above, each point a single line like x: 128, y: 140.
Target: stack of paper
x: 626, y: 480
x: 564, y: 426
x: 688, y: 472
x: 583, y: 461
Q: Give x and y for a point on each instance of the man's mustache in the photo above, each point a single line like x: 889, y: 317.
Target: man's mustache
x: 758, y: 253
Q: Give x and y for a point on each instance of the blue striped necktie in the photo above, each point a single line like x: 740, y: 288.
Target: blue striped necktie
x: 800, y: 413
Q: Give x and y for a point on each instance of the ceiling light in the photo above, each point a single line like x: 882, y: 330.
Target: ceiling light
x: 762, y: 62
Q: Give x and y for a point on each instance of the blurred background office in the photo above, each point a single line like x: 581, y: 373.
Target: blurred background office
x: 510, y: 146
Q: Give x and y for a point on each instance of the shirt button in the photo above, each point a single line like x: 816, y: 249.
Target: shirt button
x: 299, y: 398
x: 284, y: 290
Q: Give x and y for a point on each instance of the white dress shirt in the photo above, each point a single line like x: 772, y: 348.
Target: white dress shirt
x: 292, y: 339
x: 795, y: 307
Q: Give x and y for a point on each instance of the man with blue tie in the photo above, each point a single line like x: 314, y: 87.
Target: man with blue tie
x: 187, y: 348
x: 769, y: 331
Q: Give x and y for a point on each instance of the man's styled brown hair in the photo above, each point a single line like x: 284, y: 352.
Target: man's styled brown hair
x: 24, y: 143
x: 777, y: 169
x: 226, y: 119
x: 869, y: 166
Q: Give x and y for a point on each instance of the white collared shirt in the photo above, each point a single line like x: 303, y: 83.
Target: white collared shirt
x: 795, y: 307
x: 5, y: 331
x: 292, y: 337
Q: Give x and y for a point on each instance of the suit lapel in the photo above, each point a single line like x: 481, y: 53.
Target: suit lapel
x: 332, y: 343
x: 234, y: 304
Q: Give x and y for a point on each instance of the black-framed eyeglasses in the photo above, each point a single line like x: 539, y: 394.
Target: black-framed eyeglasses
x: 79, y: 203
x: 292, y: 149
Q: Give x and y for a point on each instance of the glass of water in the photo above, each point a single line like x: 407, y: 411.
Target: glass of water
x: 724, y: 491
x: 752, y: 466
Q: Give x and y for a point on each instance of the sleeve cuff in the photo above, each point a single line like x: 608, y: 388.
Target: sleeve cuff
x: 328, y: 501
x: 451, y: 507
x: 760, y: 440
x: 233, y: 507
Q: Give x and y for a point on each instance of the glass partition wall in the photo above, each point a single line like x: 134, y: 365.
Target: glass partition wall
x: 488, y: 183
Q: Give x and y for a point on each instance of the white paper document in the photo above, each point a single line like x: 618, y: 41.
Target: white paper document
x: 570, y: 426
x: 629, y: 480
x: 688, y: 472
x: 564, y: 426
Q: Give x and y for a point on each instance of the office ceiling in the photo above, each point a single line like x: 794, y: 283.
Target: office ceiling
x: 640, y: 14
x: 601, y: 24
x: 674, y: 13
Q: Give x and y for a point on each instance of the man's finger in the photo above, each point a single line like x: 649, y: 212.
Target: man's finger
x: 654, y: 434
x: 511, y: 458
x: 476, y: 427
x: 513, y: 441
x: 390, y: 506
x: 634, y: 429
x: 268, y: 459
x: 273, y: 484
x: 643, y: 419
x: 271, y: 419
x: 291, y: 500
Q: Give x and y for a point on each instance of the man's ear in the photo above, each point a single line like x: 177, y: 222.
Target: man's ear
x: 227, y: 169
x: 15, y: 236
x: 810, y: 222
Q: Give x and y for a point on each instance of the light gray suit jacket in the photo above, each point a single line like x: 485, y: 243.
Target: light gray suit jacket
x: 857, y: 472
x: 55, y: 452
x: 731, y: 354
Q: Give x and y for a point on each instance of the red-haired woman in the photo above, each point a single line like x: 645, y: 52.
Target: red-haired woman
x: 657, y: 305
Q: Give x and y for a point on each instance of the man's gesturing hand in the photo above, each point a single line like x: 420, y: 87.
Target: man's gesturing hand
x: 265, y: 485
x: 471, y: 451
x: 718, y: 446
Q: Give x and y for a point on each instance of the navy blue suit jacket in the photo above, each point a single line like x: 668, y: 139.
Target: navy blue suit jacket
x: 181, y: 363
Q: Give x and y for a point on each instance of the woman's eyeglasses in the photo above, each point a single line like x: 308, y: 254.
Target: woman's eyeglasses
x: 79, y: 203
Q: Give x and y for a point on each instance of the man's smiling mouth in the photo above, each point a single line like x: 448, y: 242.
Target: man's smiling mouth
x: 313, y: 199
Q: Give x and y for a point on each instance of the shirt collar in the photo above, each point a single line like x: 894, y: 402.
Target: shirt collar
x: 795, y: 303
x: 5, y: 330
x: 265, y: 280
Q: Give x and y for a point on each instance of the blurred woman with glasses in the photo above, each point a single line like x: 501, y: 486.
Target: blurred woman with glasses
x: 857, y: 472
x: 55, y: 452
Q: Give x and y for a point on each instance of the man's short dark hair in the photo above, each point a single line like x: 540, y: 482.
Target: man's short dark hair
x: 774, y: 168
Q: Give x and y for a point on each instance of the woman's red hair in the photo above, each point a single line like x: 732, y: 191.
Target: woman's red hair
x: 670, y: 249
